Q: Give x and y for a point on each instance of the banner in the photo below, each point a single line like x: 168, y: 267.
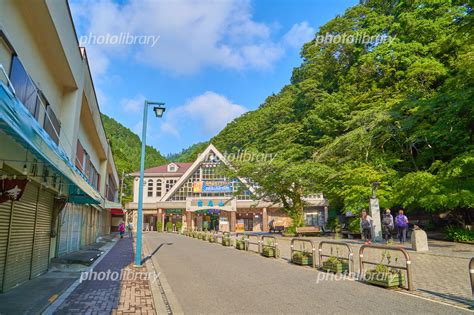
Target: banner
x: 209, y: 186
x: 12, y: 189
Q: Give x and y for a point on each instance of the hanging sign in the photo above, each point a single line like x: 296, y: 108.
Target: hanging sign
x: 210, y: 186
x: 12, y: 189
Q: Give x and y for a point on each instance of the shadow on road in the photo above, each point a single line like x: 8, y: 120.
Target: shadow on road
x: 467, y: 302
x: 155, y: 251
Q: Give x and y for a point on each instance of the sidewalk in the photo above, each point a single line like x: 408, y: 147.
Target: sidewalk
x: 114, y: 287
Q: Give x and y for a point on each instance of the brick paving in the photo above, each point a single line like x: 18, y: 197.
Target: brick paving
x: 125, y: 291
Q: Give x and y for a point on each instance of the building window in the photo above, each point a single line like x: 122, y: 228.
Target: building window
x: 169, y: 184
x: 158, y: 188
x: 25, y: 89
x: 150, y: 188
x: 52, y: 125
x: 312, y: 219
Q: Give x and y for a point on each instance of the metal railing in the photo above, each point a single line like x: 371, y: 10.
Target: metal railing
x: 471, y: 272
x: 303, y: 240
x: 248, y: 241
x: 407, y: 266
x: 349, y: 258
x: 273, y: 244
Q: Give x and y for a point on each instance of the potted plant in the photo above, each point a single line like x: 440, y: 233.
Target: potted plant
x: 179, y: 226
x: 211, y: 238
x: 159, y: 226
x: 240, y: 243
x: 302, y: 258
x: 335, y: 264
x: 169, y: 227
x: 268, y: 250
x: 226, y: 241
x: 385, y: 276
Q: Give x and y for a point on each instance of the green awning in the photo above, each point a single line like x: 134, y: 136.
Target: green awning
x: 17, y: 122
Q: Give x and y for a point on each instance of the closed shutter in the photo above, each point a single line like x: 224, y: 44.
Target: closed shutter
x: 76, y: 224
x: 5, y: 211
x: 64, y: 230
x: 42, y: 234
x: 19, y: 251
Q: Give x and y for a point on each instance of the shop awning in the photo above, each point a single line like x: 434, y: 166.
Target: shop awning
x: 112, y: 205
x: 16, y: 121
x: 116, y: 212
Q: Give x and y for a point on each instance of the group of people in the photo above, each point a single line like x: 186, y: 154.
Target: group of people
x: 122, y: 229
x: 388, y: 225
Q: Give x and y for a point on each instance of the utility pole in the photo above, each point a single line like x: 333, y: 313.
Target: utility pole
x: 121, y: 185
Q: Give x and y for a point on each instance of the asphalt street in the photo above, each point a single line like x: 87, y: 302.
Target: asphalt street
x: 209, y: 278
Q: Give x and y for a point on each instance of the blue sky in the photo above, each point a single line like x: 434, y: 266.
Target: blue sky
x: 209, y: 61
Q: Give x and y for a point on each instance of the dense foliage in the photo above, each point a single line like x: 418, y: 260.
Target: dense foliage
x: 189, y: 154
x: 126, y: 148
x: 398, y: 110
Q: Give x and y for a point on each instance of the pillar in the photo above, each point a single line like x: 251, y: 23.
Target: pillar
x: 325, y: 214
x: 188, y: 221
x: 162, y: 220
x: 265, y: 220
x: 233, y: 221
x: 158, y: 217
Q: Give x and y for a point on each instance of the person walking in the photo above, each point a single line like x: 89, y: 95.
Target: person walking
x: 121, y: 229
x: 387, y: 225
x: 366, y: 223
x: 401, y: 221
x: 130, y: 229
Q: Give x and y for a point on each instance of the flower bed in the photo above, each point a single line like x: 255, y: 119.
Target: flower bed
x: 336, y: 265
x: 302, y: 258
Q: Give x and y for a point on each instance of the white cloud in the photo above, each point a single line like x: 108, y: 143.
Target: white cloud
x: 192, y: 35
x: 213, y: 111
x: 133, y: 105
x: 299, y: 34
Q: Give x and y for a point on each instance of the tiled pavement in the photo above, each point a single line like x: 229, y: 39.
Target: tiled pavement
x: 441, y: 274
x: 123, y: 291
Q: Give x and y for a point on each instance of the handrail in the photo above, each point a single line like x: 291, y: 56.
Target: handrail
x: 248, y: 242
x: 304, y: 240
x: 350, y: 255
x: 392, y: 248
x: 274, y: 246
x: 471, y: 272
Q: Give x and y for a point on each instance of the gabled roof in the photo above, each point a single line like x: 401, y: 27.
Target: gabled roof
x: 163, y: 169
x: 191, y: 169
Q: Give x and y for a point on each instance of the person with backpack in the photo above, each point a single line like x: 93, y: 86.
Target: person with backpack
x: 387, y: 225
x: 366, y: 223
x: 121, y: 229
x: 402, y: 226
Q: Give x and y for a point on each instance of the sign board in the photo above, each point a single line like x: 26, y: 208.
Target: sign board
x: 209, y: 186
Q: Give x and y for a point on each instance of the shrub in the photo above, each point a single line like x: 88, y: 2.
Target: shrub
x: 169, y: 227
x: 159, y: 226
x: 458, y: 234
x: 179, y: 225
x: 354, y: 225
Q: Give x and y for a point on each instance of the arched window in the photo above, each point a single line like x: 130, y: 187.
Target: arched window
x: 158, y: 188
x: 150, y: 188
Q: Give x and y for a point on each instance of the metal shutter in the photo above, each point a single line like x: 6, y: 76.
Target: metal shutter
x: 76, y: 223
x: 64, y: 229
x: 70, y: 235
x: 5, y: 211
x: 42, y: 234
x: 18, y: 263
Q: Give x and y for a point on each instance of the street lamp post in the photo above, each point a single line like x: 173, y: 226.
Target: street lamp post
x: 159, y: 109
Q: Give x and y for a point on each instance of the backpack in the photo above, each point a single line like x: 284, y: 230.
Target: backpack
x: 401, y: 221
x: 386, y: 220
x: 365, y: 223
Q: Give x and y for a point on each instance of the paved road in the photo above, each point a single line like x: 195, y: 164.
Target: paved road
x: 211, y: 279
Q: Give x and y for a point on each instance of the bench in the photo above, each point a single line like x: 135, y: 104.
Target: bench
x: 277, y: 229
x: 304, y: 230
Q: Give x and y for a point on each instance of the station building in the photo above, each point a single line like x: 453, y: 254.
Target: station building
x: 196, y: 195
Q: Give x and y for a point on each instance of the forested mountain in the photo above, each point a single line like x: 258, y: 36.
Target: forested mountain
x: 398, y: 110
x: 189, y: 154
x: 126, y: 148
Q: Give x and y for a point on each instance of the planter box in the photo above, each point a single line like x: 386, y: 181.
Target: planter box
x: 268, y: 251
x: 226, y: 242
x: 341, y: 267
x: 386, y: 281
x: 303, y: 261
x: 211, y: 239
x: 240, y: 245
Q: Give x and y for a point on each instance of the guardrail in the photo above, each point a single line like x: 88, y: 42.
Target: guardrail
x: 249, y: 241
x: 303, y: 240
x: 407, y: 266
x: 471, y: 272
x: 349, y: 258
x: 274, y: 244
